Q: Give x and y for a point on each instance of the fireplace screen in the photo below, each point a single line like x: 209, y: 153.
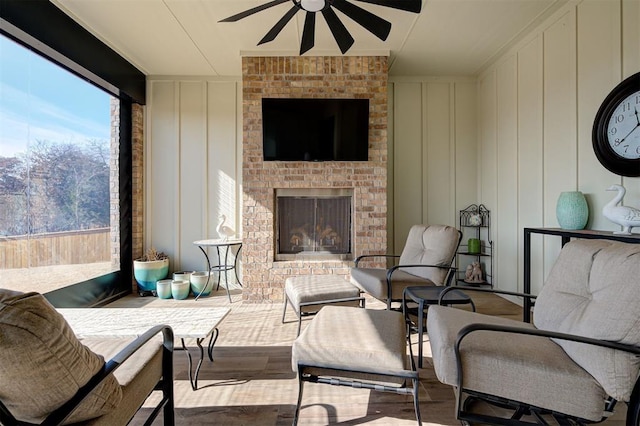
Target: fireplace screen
x: 314, y: 224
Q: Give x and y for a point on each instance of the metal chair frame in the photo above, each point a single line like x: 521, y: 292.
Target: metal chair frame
x: 519, y: 408
x: 165, y: 384
x: 406, y: 374
x: 393, y: 269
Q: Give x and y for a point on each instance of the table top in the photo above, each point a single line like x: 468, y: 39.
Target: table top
x: 195, y: 323
x: 431, y: 294
x: 218, y: 242
x: 585, y: 233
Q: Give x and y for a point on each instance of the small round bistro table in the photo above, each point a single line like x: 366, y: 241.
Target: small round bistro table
x: 225, y: 246
x: 430, y: 295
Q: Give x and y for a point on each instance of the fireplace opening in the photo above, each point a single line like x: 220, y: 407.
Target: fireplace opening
x: 313, y: 226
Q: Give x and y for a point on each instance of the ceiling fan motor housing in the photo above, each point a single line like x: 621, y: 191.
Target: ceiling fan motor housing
x: 312, y: 5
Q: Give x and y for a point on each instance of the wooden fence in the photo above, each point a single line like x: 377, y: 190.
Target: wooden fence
x: 60, y: 248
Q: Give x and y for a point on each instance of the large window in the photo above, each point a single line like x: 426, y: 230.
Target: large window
x: 58, y: 177
x: 67, y: 137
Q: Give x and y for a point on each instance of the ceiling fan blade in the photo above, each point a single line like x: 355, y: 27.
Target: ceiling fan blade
x: 374, y: 24
x: 308, y: 33
x: 339, y: 31
x: 253, y: 10
x: 273, y: 32
x: 408, y: 5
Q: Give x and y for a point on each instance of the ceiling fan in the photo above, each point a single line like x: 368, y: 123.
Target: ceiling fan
x: 374, y: 24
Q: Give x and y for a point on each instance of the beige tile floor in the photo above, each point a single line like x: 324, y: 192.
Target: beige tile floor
x: 251, y: 382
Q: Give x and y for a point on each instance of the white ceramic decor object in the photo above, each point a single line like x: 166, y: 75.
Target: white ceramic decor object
x: 163, y: 289
x: 627, y: 217
x: 225, y: 232
x: 180, y: 289
x: 199, y: 281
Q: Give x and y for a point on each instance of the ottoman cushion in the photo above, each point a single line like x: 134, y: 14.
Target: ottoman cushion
x: 358, y: 340
x: 318, y: 289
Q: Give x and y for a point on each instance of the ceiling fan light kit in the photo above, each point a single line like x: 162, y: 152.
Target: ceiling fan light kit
x: 372, y: 23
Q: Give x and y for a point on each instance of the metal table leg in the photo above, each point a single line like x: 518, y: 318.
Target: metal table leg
x: 223, y: 263
x: 208, y: 272
x: 193, y: 377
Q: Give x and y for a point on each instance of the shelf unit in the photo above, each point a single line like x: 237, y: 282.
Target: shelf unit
x: 475, y: 222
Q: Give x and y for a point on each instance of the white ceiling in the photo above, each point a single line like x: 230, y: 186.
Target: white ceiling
x: 184, y: 37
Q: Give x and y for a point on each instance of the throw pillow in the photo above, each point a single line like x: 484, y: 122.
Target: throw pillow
x: 43, y: 364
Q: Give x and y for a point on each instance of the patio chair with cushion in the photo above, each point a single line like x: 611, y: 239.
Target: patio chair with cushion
x: 49, y: 377
x: 578, y: 359
x: 425, y: 260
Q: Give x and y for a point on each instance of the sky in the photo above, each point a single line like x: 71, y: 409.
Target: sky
x: 41, y: 101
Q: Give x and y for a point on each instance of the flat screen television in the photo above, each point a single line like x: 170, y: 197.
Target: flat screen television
x: 315, y: 129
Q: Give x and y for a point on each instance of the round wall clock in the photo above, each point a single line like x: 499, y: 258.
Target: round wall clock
x: 616, y: 129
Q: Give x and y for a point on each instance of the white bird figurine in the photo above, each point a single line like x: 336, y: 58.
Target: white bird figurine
x: 223, y: 230
x: 627, y: 217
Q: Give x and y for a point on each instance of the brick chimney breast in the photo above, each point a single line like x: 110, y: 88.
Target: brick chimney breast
x: 309, y: 77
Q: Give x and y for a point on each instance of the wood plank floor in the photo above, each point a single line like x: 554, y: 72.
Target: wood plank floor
x: 251, y: 381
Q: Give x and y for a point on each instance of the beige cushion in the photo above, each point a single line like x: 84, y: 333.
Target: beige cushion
x: 374, y: 282
x: 318, y: 288
x: 137, y: 376
x: 354, y: 338
x: 593, y: 290
x: 430, y: 245
x: 529, y: 369
x: 425, y: 245
x: 42, y: 363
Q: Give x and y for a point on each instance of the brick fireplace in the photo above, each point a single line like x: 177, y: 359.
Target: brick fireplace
x: 310, y: 77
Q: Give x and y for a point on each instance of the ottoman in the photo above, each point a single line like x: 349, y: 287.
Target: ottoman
x: 361, y: 348
x: 307, y: 294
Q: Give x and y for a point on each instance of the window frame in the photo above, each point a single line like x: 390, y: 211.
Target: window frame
x: 41, y: 27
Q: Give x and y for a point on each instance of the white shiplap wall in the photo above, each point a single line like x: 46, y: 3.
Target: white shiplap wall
x: 193, y: 164
x: 536, y: 108
x: 432, y: 144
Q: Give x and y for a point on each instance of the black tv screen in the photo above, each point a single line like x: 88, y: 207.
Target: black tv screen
x: 315, y: 129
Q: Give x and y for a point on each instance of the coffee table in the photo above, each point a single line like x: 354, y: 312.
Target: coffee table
x: 187, y: 323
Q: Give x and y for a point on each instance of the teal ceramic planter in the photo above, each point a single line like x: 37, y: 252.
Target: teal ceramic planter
x: 180, y: 289
x: 147, y: 273
x: 199, y: 281
x: 163, y: 288
x: 572, y: 210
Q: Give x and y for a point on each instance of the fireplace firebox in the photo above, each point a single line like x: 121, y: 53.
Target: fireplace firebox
x: 313, y: 224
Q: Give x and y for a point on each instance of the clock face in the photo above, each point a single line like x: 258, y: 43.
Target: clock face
x: 616, y: 129
x: 623, y: 130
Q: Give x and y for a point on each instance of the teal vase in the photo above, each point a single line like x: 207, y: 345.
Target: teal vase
x: 572, y: 210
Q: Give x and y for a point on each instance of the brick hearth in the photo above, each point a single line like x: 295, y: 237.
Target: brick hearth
x: 309, y: 77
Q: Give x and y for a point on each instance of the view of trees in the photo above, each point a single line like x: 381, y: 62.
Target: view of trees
x: 55, y: 187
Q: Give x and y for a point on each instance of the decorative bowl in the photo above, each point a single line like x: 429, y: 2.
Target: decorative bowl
x: 198, y: 282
